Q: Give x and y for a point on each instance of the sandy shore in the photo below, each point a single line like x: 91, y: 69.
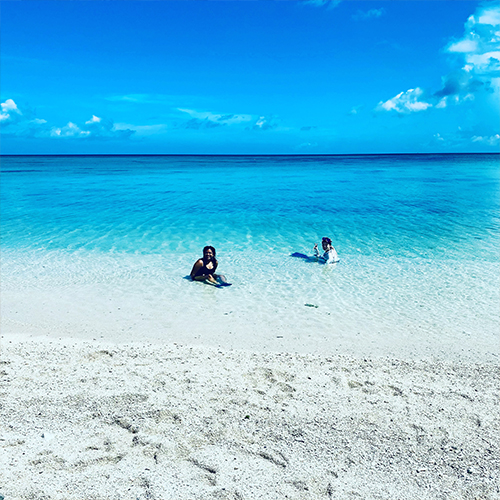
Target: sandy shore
x: 88, y: 420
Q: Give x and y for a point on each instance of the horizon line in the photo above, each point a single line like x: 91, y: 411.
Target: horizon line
x: 250, y: 155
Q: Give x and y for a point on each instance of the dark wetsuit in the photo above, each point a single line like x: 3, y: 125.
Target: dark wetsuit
x: 203, y: 271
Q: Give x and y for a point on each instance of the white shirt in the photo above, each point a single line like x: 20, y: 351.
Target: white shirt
x: 329, y: 257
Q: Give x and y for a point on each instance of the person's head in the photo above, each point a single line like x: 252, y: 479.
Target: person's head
x: 208, y: 253
x: 326, y: 243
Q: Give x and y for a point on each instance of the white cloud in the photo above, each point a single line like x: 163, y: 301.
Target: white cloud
x: 94, y: 119
x: 142, y: 130
x: 493, y: 140
x: 372, y: 13
x: 139, y: 98
x: 261, y: 122
x: 209, y: 120
x: 478, y: 53
x: 70, y: 130
x: 463, y: 46
x: 203, y: 120
x: 10, y: 111
x: 9, y: 105
x: 489, y: 15
x: 442, y: 103
x: 104, y: 128
x: 25, y: 125
x: 221, y: 119
x: 480, y: 50
x: 265, y: 123
x: 405, y: 102
x: 331, y: 4
x: 466, y: 138
x: 355, y: 110
x: 483, y: 63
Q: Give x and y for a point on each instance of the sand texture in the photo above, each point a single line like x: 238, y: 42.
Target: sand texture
x: 83, y: 420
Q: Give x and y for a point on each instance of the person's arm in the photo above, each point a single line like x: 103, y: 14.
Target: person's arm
x: 197, y: 266
x: 316, y: 251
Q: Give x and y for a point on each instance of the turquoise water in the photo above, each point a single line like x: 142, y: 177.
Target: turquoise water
x: 418, y: 237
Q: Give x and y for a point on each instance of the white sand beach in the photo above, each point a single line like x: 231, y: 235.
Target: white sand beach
x: 92, y: 420
x: 264, y: 138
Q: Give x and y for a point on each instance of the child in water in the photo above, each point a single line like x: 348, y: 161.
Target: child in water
x: 330, y: 256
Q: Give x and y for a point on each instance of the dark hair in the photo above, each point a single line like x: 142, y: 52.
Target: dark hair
x: 208, y: 247
x: 326, y: 240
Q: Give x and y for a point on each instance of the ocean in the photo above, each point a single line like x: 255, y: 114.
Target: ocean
x: 101, y: 247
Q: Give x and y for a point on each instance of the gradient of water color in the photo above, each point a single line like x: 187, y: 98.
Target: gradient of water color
x: 418, y: 237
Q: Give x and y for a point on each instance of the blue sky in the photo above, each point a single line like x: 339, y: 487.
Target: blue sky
x: 249, y: 77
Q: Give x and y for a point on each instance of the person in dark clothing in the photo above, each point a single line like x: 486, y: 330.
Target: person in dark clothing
x: 204, y: 268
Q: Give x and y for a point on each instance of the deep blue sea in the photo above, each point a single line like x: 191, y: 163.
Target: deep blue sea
x: 418, y: 237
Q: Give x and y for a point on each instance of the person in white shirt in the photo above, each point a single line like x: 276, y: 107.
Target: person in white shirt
x: 330, y: 256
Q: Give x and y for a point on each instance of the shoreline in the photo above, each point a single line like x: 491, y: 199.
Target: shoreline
x: 99, y: 420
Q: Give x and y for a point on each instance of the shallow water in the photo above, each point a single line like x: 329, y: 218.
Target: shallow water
x: 109, y: 240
